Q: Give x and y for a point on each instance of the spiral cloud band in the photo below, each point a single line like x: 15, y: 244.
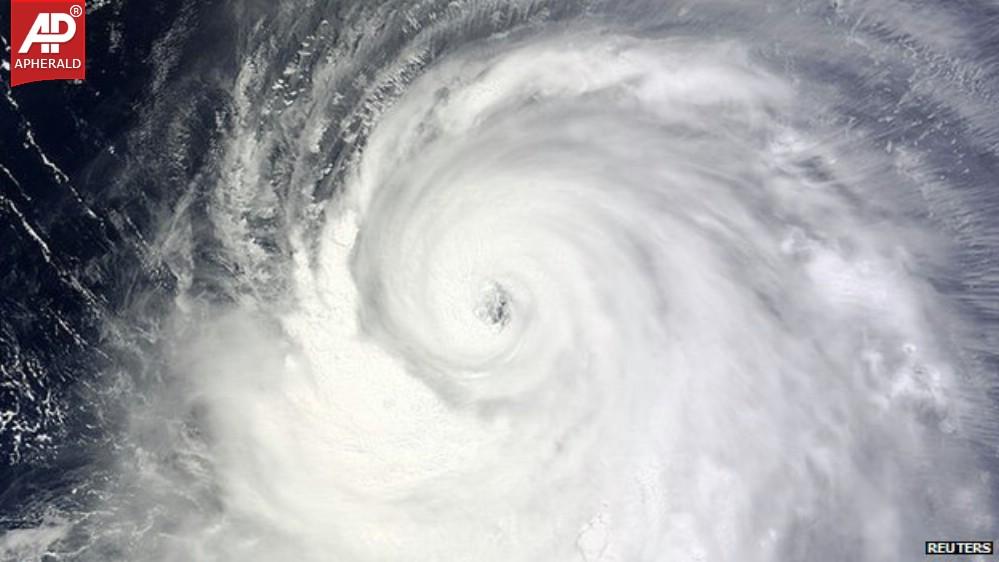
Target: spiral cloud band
x: 562, y: 281
x: 601, y: 297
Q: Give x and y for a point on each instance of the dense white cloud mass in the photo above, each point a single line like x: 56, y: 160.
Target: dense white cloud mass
x: 648, y: 283
x: 594, y: 297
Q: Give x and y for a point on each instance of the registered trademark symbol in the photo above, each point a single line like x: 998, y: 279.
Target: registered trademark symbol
x: 76, y: 11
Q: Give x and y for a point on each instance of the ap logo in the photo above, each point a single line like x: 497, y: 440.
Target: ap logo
x: 49, y: 40
x: 45, y: 30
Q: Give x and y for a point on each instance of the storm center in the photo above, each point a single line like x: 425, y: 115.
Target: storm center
x: 494, y: 306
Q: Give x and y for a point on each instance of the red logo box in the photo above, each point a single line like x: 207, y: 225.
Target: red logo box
x: 48, y: 40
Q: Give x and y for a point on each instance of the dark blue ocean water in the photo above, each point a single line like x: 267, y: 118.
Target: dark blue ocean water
x: 72, y: 230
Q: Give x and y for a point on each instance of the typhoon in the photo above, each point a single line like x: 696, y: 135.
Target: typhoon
x: 474, y: 281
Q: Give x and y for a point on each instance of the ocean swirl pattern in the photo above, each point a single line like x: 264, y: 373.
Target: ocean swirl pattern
x: 594, y: 296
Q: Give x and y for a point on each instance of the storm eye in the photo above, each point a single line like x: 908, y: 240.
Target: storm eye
x: 494, y: 306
